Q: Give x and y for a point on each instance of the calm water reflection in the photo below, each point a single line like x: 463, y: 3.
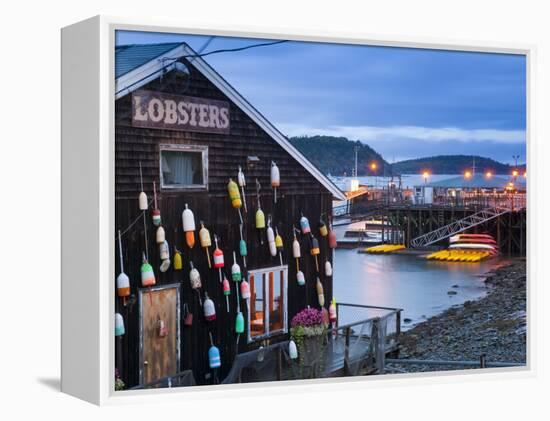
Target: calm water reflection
x: 416, y: 285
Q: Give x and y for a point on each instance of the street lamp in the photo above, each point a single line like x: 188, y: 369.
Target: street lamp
x: 488, y: 174
x: 425, y: 174
x: 468, y: 174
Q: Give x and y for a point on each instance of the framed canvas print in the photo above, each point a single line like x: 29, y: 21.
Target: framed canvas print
x: 245, y: 208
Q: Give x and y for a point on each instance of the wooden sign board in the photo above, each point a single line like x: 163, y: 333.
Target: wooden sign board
x: 158, y: 110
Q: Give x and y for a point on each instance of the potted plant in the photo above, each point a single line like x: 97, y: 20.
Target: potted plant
x: 308, y: 329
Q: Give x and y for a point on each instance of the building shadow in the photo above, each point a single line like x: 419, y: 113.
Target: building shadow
x: 53, y: 383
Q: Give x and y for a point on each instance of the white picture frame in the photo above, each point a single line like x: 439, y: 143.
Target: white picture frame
x: 88, y: 236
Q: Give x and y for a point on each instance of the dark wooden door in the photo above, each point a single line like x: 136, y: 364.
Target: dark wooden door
x: 160, y: 350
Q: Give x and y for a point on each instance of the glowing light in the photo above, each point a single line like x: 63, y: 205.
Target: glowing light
x: 515, y: 173
x: 425, y: 174
x: 467, y: 174
x: 525, y: 174
x: 488, y: 174
x: 373, y: 166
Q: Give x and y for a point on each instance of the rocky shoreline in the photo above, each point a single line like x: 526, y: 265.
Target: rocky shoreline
x: 494, y: 325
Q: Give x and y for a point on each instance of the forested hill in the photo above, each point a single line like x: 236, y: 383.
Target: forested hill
x: 336, y: 155
x: 451, y: 164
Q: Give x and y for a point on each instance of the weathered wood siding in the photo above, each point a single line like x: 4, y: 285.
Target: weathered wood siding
x: 299, y: 192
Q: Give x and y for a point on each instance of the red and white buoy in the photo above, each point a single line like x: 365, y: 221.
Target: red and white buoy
x: 226, y: 291
x: 209, y: 308
x: 219, y: 262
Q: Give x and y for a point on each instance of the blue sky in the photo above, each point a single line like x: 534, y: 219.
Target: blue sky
x: 405, y: 103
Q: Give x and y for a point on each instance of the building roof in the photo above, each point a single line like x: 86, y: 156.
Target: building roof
x: 477, y: 181
x: 140, y: 64
x: 129, y: 57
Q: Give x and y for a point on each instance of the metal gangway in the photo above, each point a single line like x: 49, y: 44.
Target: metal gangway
x: 460, y: 225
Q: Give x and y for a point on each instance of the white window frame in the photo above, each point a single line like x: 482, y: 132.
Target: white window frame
x: 259, y: 274
x: 185, y: 148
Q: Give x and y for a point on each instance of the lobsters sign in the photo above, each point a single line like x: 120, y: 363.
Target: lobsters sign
x: 158, y: 110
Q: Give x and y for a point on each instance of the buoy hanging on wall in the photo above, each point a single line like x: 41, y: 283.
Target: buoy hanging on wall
x: 320, y: 293
x: 239, y: 323
x: 242, y: 246
x: 304, y: 225
x: 226, y: 291
x: 296, y: 253
x: 188, y: 220
x: 328, y: 268
x: 323, y: 228
x: 178, y: 263
x: 195, y: 280
x: 219, y: 262
x: 245, y: 290
x: 206, y: 241
x: 209, y: 308
x: 271, y: 240
x: 315, y: 250
x: 122, y: 280
x: 161, y: 236
x: 119, y: 325
x: 292, y: 350
x: 214, y: 360
x: 235, y: 269
x: 275, y: 179
x: 156, y: 211
x: 242, y: 183
x: 164, y: 251
x: 260, y: 217
x: 279, y: 245
x: 147, y: 274
x: 235, y: 197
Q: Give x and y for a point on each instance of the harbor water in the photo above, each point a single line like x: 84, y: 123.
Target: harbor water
x: 418, y: 286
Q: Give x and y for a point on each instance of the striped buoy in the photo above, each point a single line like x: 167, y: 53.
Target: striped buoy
x: 147, y: 274
x: 119, y: 325
x: 188, y: 220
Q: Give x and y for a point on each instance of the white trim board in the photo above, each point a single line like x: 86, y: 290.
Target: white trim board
x: 149, y: 71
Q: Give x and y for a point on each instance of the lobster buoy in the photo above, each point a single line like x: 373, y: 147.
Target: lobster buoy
x: 214, y: 360
x: 188, y: 220
x: 156, y: 210
x: 209, y: 309
x: 332, y: 311
x: 147, y: 274
x: 195, y: 277
x: 122, y: 280
x: 164, y: 251
x: 260, y: 219
x: 320, y: 293
x: 160, y: 235
x: 323, y: 229
x: 235, y: 197
x: 332, y: 242
x: 219, y: 262
x: 239, y: 323
x: 304, y: 225
x: 315, y: 250
x: 235, y: 270
x: 242, y: 183
x: 206, y: 241
x: 142, y: 201
x: 296, y: 252
x: 328, y: 268
x: 119, y: 325
x: 292, y: 350
x: 245, y: 290
x: 279, y: 245
x: 123, y: 285
x: 271, y: 241
x: 275, y: 179
x: 178, y: 264
x: 226, y: 292
x: 300, y: 278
